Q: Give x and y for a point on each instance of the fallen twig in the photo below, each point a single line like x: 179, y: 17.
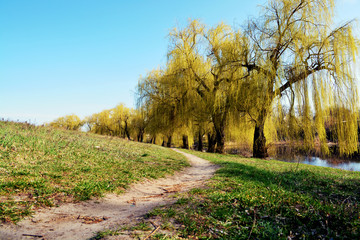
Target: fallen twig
x: 155, y: 225
x: 32, y: 235
x: 152, y: 233
x: 254, y: 223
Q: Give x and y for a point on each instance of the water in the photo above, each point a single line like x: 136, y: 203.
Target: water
x: 294, y: 154
x: 317, y: 161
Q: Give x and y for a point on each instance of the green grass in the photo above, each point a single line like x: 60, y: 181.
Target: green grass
x: 41, y: 166
x: 266, y: 199
x: 105, y: 233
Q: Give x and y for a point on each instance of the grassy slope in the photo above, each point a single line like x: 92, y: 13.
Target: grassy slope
x: 260, y: 199
x: 42, y: 166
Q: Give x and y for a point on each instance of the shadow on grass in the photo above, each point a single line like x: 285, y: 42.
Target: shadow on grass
x: 318, y: 185
x: 257, y: 199
x: 284, y: 203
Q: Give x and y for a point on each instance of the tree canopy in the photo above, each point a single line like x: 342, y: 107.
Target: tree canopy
x: 287, y: 75
x: 290, y: 63
x: 68, y: 122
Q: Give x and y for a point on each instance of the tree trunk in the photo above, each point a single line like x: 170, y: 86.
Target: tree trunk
x: 127, y: 130
x: 200, y: 142
x: 220, y: 140
x: 140, y: 136
x: 185, y: 142
x: 259, y: 144
x: 211, y: 142
x: 168, y: 144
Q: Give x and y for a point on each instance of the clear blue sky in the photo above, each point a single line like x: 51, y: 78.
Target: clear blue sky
x: 59, y: 57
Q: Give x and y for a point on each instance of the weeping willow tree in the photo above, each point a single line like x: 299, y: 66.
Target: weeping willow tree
x: 156, y: 101
x: 117, y: 121
x: 294, y: 52
x: 287, y: 65
x: 121, y: 119
x: 69, y: 122
x: 100, y: 123
x: 163, y: 98
x: 139, y: 123
x: 203, y: 62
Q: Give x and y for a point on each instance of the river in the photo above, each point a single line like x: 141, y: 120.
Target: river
x: 317, y: 161
x: 332, y: 161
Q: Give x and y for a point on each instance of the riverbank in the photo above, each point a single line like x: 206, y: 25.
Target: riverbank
x: 267, y: 199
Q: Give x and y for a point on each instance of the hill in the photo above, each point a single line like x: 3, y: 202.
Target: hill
x: 41, y: 166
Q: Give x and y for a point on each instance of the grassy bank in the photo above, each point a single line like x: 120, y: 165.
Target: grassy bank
x: 43, y: 167
x: 266, y: 199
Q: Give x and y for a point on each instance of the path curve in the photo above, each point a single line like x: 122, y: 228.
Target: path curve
x: 82, y: 220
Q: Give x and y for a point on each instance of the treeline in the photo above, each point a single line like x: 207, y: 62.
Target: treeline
x: 119, y: 121
x: 277, y: 77
x: 285, y: 75
x: 138, y: 125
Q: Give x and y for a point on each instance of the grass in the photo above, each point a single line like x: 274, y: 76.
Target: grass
x: 105, y: 233
x: 135, y: 230
x: 40, y: 166
x: 266, y: 199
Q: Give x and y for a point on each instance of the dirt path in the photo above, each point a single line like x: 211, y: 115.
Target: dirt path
x: 82, y: 220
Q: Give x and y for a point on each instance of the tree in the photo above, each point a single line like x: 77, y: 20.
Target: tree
x: 121, y: 118
x: 338, y: 127
x: 293, y: 52
x: 139, y: 123
x: 287, y: 59
x: 68, y: 122
x: 202, y: 60
x: 162, y: 96
x: 115, y: 122
x: 100, y: 123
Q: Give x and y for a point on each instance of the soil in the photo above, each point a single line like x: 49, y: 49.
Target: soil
x: 82, y: 220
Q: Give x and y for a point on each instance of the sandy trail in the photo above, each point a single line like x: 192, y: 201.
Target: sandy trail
x: 82, y: 220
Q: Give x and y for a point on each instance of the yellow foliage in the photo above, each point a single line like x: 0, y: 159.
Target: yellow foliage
x: 69, y: 122
x: 272, y: 81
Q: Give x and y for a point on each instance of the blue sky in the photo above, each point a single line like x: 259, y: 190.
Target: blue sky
x: 59, y: 57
